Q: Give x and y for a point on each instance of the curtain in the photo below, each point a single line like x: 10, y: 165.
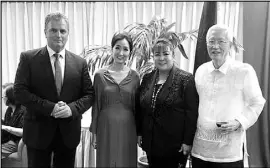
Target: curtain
x: 231, y: 14
x: 265, y: 79
x: 256, y: 29
x: 85, y: 153
x: 94, y: 23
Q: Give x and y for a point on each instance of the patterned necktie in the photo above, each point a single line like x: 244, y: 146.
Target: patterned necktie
x: 58, y: 73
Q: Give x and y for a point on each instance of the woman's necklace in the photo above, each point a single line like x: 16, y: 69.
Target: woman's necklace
x: 155, y: 93
x: 154, y: 96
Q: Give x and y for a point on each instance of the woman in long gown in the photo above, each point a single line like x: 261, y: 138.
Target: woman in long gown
x: 113, y: 114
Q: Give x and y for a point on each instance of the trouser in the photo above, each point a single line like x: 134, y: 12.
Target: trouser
x: 173, y: 160
x: 62, y: 155
x: 198, y: 163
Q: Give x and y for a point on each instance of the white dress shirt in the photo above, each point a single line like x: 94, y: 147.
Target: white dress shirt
x: 228, y: 93
x: 61, y: 60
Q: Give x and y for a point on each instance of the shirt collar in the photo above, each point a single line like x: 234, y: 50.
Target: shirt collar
x: 51, y: 52
x: 223, y: 68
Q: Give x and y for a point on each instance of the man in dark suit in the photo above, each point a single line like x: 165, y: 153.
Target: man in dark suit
x: 55, y: 87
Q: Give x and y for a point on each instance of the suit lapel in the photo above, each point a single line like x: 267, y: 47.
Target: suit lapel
x: 68, y: 70
x: 46, y: 67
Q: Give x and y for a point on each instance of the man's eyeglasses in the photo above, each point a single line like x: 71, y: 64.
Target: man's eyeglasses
x: 219, y: 42
x: 3, y: 97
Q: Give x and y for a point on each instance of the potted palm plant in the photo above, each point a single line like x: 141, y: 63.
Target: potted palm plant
x: 144, y: 37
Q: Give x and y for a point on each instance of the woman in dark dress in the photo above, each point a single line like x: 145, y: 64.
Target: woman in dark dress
x: 113, y: 114
x: 169, y: 110
x: 12, y: 124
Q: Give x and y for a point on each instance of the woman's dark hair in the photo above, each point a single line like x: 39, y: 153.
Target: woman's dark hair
x: 9, y: 91
x: 121, y: 36
x: 163, y: 43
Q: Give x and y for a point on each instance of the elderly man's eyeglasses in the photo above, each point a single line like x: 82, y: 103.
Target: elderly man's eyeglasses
x: 219, y: 42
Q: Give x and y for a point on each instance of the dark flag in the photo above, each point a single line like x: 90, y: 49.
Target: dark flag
x: 208, y: 19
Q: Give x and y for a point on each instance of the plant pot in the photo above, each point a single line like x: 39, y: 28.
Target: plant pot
x: 142, y: 162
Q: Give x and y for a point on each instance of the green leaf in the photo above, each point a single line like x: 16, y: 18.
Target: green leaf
x: 237, y: 46
x: 166, y: 29
x: 182, y: 50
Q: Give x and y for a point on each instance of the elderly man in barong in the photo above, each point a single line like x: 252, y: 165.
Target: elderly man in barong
x: 230, y: 101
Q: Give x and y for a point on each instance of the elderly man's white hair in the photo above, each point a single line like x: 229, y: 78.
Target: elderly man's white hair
x: 227, y: 30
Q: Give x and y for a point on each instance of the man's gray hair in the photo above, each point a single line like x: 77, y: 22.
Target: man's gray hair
x: 55, y: 16
x: 228, y: 31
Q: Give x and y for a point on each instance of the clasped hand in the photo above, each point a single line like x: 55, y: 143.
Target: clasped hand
x: 61, y: 110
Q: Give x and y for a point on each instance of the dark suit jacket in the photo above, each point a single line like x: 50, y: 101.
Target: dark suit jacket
x: 35, y: 88
x: 175, y: 118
